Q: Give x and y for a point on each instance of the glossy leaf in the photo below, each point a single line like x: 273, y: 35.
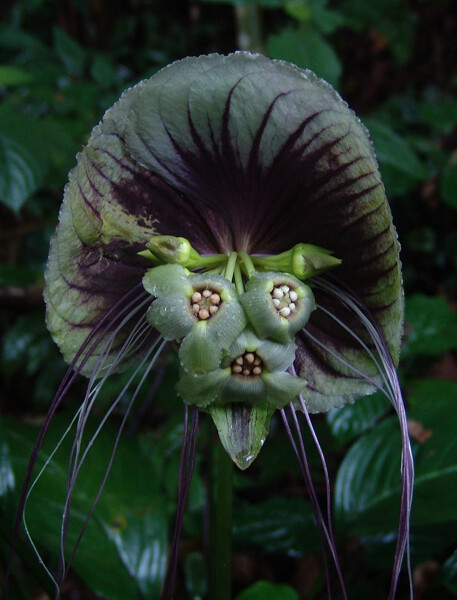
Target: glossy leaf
x: 279, y: 524
x: 13, y: 76
x: 263, y: 590
x: 450, y: 573
x: 307, y: 49
x: 21, y: 175
x: 367, y: 491
x: 394, y: 151
x: 69, y: 51
x: 431, y: 326
x: 352, y: 420
x: 123, y: 551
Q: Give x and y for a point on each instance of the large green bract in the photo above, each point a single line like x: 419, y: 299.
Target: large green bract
x: 233, y: 153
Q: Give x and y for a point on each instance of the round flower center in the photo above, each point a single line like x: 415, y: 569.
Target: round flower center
x: 284, y: 300
x: 248, y: 364
x: 205, y: 303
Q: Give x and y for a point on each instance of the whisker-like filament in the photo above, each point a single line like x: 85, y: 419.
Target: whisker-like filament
x: 116, y: 443
x: 186, y: 467
x: 392, y: 391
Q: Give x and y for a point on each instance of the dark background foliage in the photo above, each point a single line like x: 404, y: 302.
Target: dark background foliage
x: 62, y: 63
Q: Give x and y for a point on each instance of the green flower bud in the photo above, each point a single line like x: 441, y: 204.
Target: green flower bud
x: 171, y: 249
x: 277, y: 305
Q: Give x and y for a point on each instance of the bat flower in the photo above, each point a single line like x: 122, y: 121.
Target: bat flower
x: 208, y: 208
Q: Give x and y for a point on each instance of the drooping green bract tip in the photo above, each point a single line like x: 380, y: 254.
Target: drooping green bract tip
x: 232, y: 153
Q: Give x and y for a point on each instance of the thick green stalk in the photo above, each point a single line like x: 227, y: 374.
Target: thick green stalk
x: 221, y: 526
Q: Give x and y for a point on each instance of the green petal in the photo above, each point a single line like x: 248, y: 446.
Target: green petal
x: 242, y: 430
x: 282, y: 388
x: 171, y: 316
x: 167, y: 279
x: 245, y: 390
x: 202, y: 389
x: 262, y: 314
x: 207, y: 280
x: 277, y: 357
x: 199, y: 352
x: 227, y: 324
x: 247, y: 341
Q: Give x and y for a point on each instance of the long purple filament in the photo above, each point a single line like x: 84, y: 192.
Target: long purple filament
x: 84, y: 353
x: 186, y: 467
x: 393, y: 393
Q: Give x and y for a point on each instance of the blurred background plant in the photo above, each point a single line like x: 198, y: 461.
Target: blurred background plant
x: 62, y: 63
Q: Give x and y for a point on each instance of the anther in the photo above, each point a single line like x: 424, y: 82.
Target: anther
x: 276, y: 301
x: 214, y: 298
x: 292, y: 306
x: 239, y: 360
x: 249, y: 358
x: 257, y: 370
x: 206, y: 293
x: 293, y: 296
x: 196, y: 308
x: 213, y: 309
x: 257, y: 361
x: 246, y: 372
x: 277, y: 293
x: 285, y: 288
x: 237, y: 369
x: 203, y: 314
x: 196, y: 297
x: 285, y: 311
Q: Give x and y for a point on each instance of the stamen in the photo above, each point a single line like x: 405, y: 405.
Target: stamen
x: 284, y: 299
x: 205, y: 303
x: 248, y: 364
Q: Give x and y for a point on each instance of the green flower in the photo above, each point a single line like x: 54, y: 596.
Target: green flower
x: 201, y: 311
x: 277, y: 305
x: 252, y: 372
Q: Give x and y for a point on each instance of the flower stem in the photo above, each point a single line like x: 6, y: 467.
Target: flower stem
x: 221, y: 527
x: 239, y: 280
x: 247, y: 264
x: 231, y: 264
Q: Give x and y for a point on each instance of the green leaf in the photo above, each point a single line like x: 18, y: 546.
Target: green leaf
x: 352, y: 420
x: 263, y: 590
x: 103, y: 71
x: 16, y: 39
x: 279, y: 524
x: 449, y: 573
x: 448, y: 185
x: 394, y: 151
x: 21, y: 175
x: 72, y: 55
x: 12, y: 76
x: 123, y: 551
x: 307, y: 49
x: 367, y: 491
x: 431, y: 326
